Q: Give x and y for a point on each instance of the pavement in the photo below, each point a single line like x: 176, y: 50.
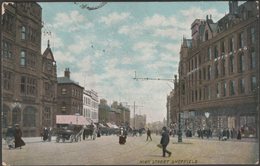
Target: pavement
x: 137, y: 151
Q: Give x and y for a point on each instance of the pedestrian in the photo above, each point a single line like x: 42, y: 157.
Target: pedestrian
x: 239, y: 135
x: 148, y: 134
x: 18, y: 137
x: 165, y: 141
x: 84, y: 133
x: 49, y: 134
x: 45, y: 134
x: 9, y: 137
x: 228, y: 133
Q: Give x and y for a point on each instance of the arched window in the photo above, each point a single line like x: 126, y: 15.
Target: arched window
x: 29, y: 117
x: 16, y: 115
x: 206, y: 35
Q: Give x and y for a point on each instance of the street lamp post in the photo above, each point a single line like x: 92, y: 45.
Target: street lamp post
x: 207, y: 116
x: 179, y: 120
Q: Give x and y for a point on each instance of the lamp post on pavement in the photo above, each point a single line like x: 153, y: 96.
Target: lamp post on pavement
x: 207, y: 116
x: 179, y: 119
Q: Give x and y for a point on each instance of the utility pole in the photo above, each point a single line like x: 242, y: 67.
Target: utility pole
x: 134, y: 112
x: 179, y: 91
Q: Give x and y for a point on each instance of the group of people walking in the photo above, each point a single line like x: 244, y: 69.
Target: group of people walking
x: 13, y: 137
x: 226, y: 134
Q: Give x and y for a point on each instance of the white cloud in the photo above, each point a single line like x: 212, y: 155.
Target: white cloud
x: 159, y: 20
x: 81, y: 43
x: 64, y: 57
x: 71, y: 21
x: 147, y: 50
x: 114, y: 18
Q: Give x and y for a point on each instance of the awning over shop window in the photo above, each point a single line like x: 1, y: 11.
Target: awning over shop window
x: 71, y: 119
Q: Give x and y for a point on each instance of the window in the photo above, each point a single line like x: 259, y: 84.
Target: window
x: 16, y: 115
x: 209, y: 72
x: 241, y: 86
x: 241, y: 40
x: 222, y: 47
x: 23, y: 58
x: 206, y: 35
x: 218, y: 90
x: 63, y: 107
x: 252, y: 59
x: 204, y: 73
x: 216, y: 70
x: 241, y: 62
x: 23, y: 33
x: 7, y: 50
x: 232, y: 87
x: 231, y: 44
x: 7, y: 78
x: 253, y: 83
x: 63, y: 91
x: 231, y: 63
x: 252, y: 35
x: 224, y: 89
x: 28, y: 86
x: 216, y: 52
x: 209, y: 53
x: 23, y: 80
x: 29, y: 117
x: 223, y: 66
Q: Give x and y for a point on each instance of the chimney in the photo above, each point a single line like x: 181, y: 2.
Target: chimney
x: 233, y: 7
x: 67, y: 73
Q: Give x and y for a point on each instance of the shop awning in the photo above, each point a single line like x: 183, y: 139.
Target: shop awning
x: 71, y: 119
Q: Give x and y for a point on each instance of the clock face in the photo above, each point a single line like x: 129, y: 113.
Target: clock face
x: 90, y: 5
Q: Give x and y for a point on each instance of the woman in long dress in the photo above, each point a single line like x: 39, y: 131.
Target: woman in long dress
x: 18, y: 137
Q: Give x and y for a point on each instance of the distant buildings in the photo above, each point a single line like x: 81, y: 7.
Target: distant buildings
x: 219, y: 72
x: 29, y: 78
x: 138, y: 122
x: 116, y: 113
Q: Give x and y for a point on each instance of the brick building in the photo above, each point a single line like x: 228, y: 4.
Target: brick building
x: 29, y: 78
x: 69, y: 96
x: 219, y: 71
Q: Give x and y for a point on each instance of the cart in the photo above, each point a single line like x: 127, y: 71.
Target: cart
x: 70, y: 127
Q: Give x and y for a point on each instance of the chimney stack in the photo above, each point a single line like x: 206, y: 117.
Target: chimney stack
x: 67, y: 73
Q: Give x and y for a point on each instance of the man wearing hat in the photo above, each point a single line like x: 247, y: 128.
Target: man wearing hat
x: 165, y: 141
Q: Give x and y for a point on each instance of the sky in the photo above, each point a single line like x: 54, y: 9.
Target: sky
x: 103, y: 48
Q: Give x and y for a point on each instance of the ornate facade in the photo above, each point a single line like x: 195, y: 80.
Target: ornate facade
x: 29, y: 78
x: 219, y: 71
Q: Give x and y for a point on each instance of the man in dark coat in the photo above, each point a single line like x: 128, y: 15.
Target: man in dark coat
x: 18, y: 137
x: 165, y: 141
x: 148, y: 134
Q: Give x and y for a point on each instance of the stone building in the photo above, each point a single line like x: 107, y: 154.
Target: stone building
x: 29, y: 78
x: 219, y: 71
x: 90, y: 105
x: 69, y: 96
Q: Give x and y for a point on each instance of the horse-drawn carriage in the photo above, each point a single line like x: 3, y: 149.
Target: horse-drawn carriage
x: 70, y: 127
